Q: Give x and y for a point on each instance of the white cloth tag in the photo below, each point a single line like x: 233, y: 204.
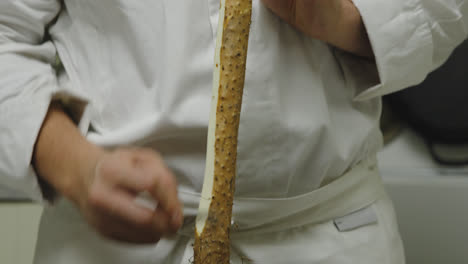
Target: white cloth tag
x: 362, y: 217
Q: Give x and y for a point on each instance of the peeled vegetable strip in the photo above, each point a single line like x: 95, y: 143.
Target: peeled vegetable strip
x: 212, y: 244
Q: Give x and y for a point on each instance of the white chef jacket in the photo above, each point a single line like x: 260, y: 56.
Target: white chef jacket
x: 145, y: 69
x: 140, y: 73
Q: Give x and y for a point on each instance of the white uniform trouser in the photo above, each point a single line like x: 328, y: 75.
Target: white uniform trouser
x: 294, y: 230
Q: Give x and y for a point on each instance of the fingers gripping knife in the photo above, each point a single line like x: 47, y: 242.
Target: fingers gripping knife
x: 212, y: 244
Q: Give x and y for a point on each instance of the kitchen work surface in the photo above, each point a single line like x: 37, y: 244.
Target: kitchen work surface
x: 430, y: 201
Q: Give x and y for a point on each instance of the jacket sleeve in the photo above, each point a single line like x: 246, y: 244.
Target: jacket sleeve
x: 410, y: 38
x: 28, y: 83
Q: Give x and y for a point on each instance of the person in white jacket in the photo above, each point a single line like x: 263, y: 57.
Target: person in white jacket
x: 121, y: 123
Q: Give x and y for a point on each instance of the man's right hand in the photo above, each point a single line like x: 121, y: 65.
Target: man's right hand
x: 106, y: 198
x: 104, y: 185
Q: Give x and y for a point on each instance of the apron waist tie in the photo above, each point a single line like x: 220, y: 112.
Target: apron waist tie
x: 356, y: 189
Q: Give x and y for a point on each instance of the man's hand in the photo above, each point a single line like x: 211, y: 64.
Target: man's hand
x: 107, y: 197
x: 104, y: 185
x: 336, y: 22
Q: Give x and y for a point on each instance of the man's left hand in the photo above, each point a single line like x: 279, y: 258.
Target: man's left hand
x: 336, y: 22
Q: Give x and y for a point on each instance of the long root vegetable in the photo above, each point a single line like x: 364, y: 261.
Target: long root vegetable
x: 212, y: 232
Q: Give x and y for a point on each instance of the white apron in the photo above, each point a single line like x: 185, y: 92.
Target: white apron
x: 301, y: 229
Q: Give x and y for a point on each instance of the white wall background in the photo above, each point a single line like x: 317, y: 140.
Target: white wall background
x: 18, y: 231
